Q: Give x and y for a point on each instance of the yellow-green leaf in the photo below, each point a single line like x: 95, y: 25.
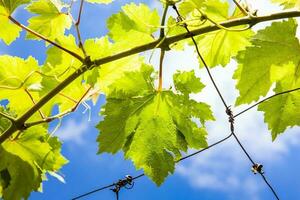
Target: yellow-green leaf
x: 50, y: 20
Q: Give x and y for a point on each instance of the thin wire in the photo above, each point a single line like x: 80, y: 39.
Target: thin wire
x: 228, y: 110
x: 142, y: 175
x: 200, y: 56
x: 231, y: 120
x: 200, y: 151
x: 270, y: 97
x: 93, y: 191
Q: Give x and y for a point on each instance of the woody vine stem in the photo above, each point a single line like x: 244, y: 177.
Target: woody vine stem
x: 87, y: 64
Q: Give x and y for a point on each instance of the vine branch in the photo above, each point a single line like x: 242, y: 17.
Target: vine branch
x: 19, y: 123
x: 76, y: 24
x: 46, y: 39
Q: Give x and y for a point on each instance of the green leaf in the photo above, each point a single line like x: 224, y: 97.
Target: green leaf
x: 133, y: 80
x: 4, y: 122
x: 96, y: 49
x: 18, y: 75
x: 58, y: 61
x: 187, y: 7
x: 11, y: 5
x: 152, y: 128
x: 50, y: 21
x: 187, y: 82
x: 113, y: 71
x: 133, y: 26
x: 24, y: 161
x: 283, y: 111
x: 108, y: 73
x: 275, y: 45
x: 288, y: 3
x: 17, y: 177
x: 9, y: 31
x: 218, y: 47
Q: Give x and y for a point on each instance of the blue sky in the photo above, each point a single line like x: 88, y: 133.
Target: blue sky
x: 220, y: 173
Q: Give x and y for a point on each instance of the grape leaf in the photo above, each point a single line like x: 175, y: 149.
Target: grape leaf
x: 17, y: 177
x: 218, y: 47
x: 4, y: 123
x: 9, y: 31
x: 24, y: 161
x: 151, y: 127
x: 11, y: 5
x: 187, y: 82
x: 58, y: 62
x: 187, y: 7
x: 274, y: 45
x: 283, y: 111
x: 133, y: 26
x: 106, y: 74
x: 50, y: 21
x: 288, y: 3
x: 18, y: 75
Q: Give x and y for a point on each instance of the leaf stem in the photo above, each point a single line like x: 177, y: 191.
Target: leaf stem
x: 163, y: 21
x: 45, y: 39
x: 76, y: 24
x: 161, y: 60
x: 33, y: 101
x: 242, y: 9
x: 162, y: 52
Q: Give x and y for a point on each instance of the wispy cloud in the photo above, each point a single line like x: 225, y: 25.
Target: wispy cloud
x: 73, y: 131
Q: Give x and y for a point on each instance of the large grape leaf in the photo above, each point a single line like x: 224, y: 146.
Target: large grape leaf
x: 283, y: 111
x: 8, y: 31
x: 50, y: 20
x: 274, y: 45
x: 288, y: 3
x: 151, y: 127
x: 25, y: 159
x: 218, y: 47
x: 133, y: 26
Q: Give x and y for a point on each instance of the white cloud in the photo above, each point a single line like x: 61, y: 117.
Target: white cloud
x: 73, y: 131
